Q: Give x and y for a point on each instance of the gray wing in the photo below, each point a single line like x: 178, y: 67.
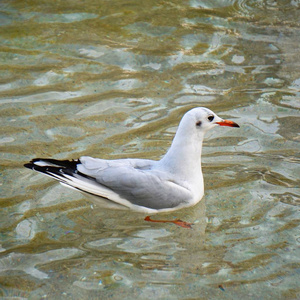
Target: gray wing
x: 137, y: 182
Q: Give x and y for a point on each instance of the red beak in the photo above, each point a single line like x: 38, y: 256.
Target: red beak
x: 228, y: 123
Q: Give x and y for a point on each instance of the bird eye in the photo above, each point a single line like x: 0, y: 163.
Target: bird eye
x: 210, y: 118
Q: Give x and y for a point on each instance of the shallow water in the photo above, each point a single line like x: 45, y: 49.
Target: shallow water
x: 111, y: 80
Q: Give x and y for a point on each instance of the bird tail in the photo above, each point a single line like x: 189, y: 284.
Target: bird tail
x: 65, y: 171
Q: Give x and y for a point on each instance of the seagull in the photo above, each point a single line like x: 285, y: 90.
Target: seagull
x: 150, y: 186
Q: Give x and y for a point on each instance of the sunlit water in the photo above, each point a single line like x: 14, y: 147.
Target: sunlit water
x: 112, y: 79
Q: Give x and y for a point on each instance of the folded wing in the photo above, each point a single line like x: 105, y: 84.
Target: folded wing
x: 136, y: 181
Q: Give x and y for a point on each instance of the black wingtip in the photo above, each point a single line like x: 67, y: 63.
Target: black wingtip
x: 29, y: 165
x: 68, y: 166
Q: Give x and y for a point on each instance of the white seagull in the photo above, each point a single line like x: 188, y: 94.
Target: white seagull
x: 144, y: 185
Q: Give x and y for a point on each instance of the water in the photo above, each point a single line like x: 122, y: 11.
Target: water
x: 111, y: 80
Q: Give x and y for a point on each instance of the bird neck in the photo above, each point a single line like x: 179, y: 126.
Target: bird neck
x: 184, y: 156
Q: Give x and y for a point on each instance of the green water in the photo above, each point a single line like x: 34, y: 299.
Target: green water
x: 112, y: 79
